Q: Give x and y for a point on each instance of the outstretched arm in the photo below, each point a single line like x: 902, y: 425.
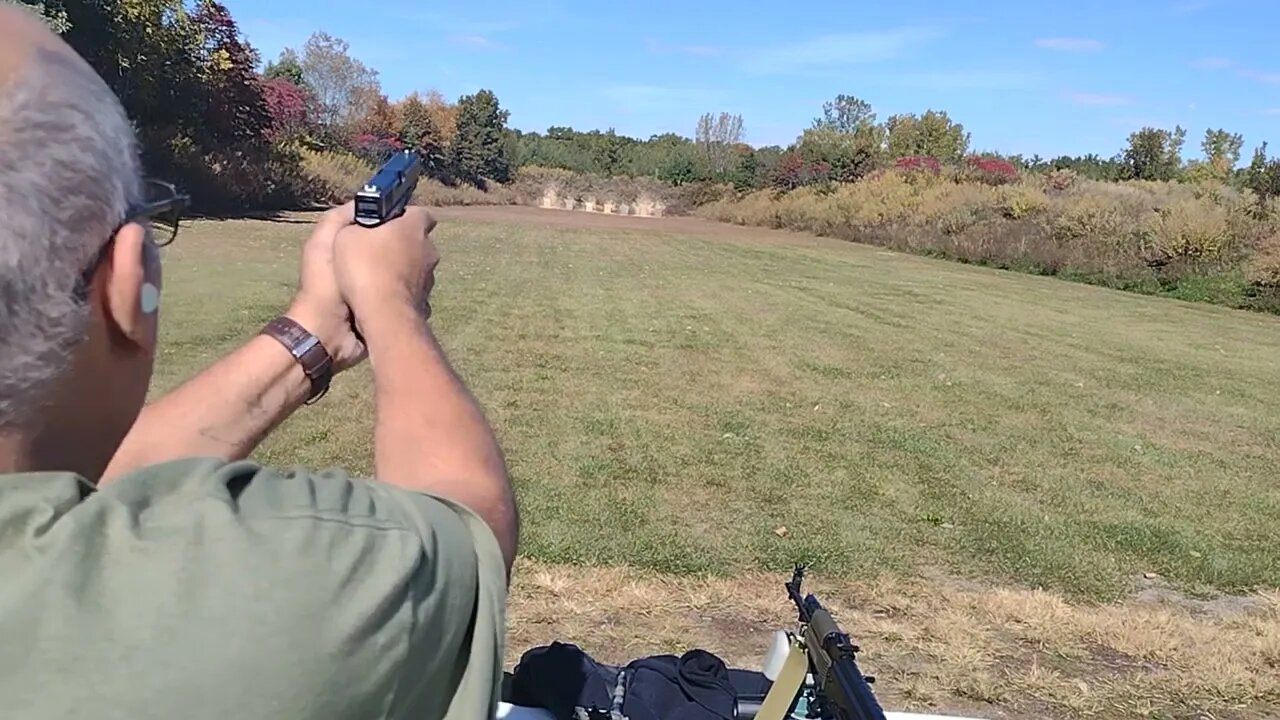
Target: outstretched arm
x: 430, y: 434
x: 227, y: 409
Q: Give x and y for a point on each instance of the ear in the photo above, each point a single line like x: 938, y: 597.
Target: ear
x: 131, y: 285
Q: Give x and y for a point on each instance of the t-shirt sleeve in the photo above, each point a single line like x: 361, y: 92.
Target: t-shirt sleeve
x: 363, y: 596
x: 471, y: 585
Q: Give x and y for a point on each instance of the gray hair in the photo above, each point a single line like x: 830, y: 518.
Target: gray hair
x: 69, y: 171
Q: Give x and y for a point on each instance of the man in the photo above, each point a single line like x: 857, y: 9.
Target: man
x: 146, y: 569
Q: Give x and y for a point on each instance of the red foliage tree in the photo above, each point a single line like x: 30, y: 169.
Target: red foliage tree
x: 792, y: 171
x: 989, y: 170
x: 919, y: 163
x: 375, y: 147
x: 290, y: 107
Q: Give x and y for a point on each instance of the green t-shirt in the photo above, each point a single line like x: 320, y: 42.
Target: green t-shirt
x: 204, y: 589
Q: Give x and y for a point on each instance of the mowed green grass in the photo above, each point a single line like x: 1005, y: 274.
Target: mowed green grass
x: 671, y: 400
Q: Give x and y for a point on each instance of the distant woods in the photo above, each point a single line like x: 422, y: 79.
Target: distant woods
x: 232, y: 129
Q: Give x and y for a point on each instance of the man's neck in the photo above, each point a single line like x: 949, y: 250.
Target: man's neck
x: 15, y: 453
x: 27, y: 451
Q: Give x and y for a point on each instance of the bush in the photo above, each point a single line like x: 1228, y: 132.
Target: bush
x: 1170, y: 238
x: 1185, y: 231
x: 923, y: 163
x: 433, y: 193
x: 335, y: 175
x: 918, y: 168
x: 1060, y: 180
x: 1263, y: 269
x: 989, y: 170
x: 1019, y: 201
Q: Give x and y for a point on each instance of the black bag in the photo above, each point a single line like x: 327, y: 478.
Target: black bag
x: 564, y: 680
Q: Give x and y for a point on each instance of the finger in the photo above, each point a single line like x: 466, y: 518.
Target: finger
x: 339, y: 217
x: 421, y: 217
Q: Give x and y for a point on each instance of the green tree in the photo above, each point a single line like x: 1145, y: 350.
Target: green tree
x: 1222, y: 150
x: 419, y: 130
x: 1154, y: 154
x: 1091, y: 166
x: 766, y: 165
x: 287, y: 66
x: 846, y: 114
x: 606, y: 149
x: 678, y: 169
x: 933, y: 134
x: 744, y: 175
x: 663, y: 154
x: 850, y: 155
x: 481, y: 147
x: 1263, y: 176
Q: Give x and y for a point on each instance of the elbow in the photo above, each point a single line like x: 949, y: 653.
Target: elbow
x: 505, y: 523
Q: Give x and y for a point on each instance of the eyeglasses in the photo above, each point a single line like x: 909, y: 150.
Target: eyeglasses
x: 162, y: 207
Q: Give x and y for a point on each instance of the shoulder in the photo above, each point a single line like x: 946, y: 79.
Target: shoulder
x: 284, y: 507
x: 262, y: 497
x: 373, y: 564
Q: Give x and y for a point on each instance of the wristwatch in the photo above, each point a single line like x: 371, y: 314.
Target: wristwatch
x: 307, y: 349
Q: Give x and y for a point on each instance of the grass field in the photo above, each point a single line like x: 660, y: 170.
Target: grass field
x: 971, y: 459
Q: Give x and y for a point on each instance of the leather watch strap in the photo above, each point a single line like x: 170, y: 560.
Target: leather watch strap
x: 307, y: 349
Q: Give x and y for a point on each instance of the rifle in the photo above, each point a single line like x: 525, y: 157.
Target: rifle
x: 839, y: 691
x: 387, y: 193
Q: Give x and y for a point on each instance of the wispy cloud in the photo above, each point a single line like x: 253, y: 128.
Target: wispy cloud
x: 1211, y: 63
x: 1271, y: 78
x: 1089, y: 98
x: 475, y: 40
x: 839, y: 49
x: 1069, y: 44
x: 1221, y: 63
x: 1272, y: 111
x: 657, y: 47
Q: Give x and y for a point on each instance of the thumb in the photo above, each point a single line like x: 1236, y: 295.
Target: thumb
x: 338, y: 217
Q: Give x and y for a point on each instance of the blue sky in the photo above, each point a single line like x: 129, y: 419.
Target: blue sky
x: 1024, y: 77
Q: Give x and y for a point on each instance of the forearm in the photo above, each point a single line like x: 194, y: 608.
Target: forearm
x: 224, y: 411
x: 430, y: 433
x: 229, y: 408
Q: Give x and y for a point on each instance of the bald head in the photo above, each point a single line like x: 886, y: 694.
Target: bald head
x: 68, y: 172
x: 21, y: 33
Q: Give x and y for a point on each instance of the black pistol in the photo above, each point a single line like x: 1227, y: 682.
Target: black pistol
x: 387, y: 193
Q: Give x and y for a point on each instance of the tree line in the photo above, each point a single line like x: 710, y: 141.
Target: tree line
x: 213, y: 117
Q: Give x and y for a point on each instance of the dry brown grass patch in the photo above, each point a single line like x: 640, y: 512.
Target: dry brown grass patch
x: 938, y: 644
